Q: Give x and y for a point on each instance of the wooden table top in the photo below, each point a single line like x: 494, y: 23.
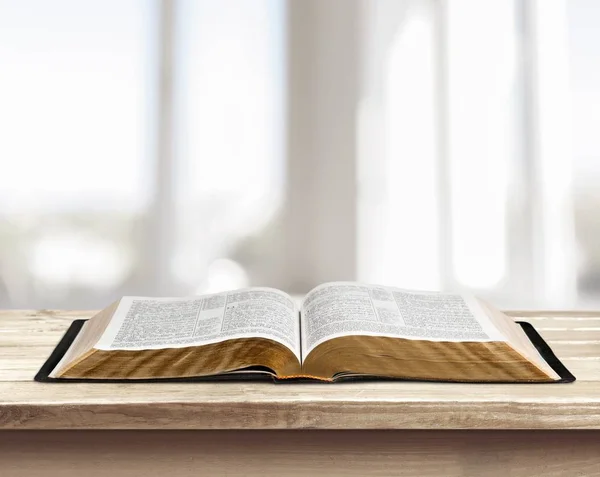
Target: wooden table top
x: 28, y: 337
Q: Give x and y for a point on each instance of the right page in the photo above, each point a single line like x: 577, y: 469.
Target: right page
x: 339, y: 309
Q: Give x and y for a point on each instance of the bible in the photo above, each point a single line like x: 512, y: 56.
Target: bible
x: 339, y: 331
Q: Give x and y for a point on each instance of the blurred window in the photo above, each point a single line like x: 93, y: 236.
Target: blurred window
x: 487, y: 180
x: 90, y: 123
x: 74, y: 176
x: 144, y: 147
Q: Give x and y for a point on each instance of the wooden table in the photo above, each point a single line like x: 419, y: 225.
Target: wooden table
x: 382, y: 428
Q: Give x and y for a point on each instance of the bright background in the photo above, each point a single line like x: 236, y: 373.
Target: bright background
x: 176, y: 147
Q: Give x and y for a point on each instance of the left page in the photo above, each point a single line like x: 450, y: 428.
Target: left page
x: 154, y: 323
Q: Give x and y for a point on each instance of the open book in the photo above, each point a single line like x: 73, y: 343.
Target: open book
x: 340, y: 330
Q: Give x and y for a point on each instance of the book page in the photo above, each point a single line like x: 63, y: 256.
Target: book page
x: 154, y: 323
x: 347, y: 308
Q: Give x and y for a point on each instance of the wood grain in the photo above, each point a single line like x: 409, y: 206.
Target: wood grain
x: 28, y: 337
x: 288, y: 453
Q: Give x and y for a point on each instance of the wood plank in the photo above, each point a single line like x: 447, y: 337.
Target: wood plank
x: 543, y: 314
x: 584, y: 369
x: 27, y: 338
x: 289, y: 453
x: 570, y: 334
x: 34, y: 340
x: 562, y: 322
x: 266, y: 406
x: 367, y: 393
x: 576, y: 349
x: 48, y: 314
